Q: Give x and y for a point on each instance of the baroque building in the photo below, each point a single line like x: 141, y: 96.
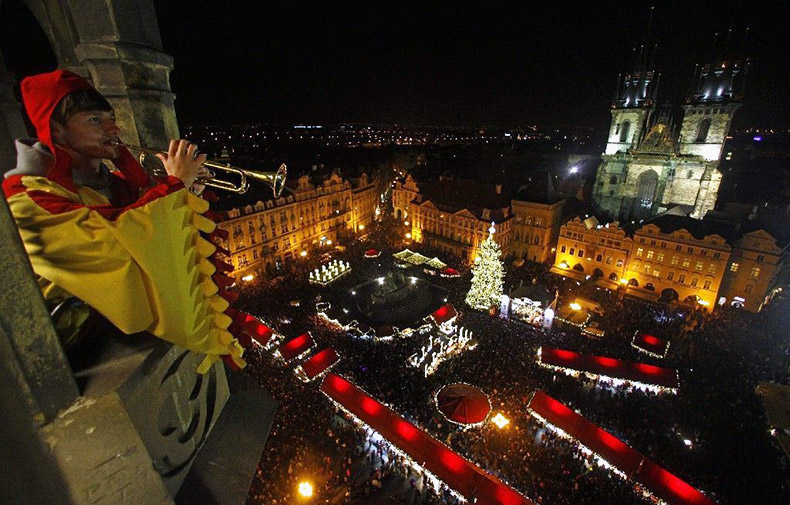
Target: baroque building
x: 538, y: 215
x: 658, y: 158
x: 757, y: 271
x: 454, y: 216
x: 677, y: 258
x: 265, y: 238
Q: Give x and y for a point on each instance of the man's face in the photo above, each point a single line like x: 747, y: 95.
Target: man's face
x: 89, y: 134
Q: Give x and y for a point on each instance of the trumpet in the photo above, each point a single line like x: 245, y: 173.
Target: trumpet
x: 275, y: 180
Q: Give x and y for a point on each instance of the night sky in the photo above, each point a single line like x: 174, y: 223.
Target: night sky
x: 450, y: 63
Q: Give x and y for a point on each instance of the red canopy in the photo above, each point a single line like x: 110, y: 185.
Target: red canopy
x: 450, y: 272
x: 250, y: 328
x: 319, y: 362
x: 444, y: 313
x: 631, y: 462
x: 458, y: 473
x: 610, y: 367
x: 650, y: 344
x: 463, y: 403
x: 296, y: 346
x: 372, y: 253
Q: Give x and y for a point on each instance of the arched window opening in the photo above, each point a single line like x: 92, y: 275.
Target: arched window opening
x: 625, y: 130
x: 702, y: 130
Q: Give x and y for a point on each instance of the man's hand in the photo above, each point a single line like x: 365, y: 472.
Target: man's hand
x: 180, y: 161
x: 197, y: 188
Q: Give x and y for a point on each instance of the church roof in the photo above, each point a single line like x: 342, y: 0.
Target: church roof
x: 453, y: 195
x: 539, y: 190
x: 699, y: 228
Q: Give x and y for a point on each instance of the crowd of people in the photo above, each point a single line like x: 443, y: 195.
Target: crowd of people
x: 712, y: 434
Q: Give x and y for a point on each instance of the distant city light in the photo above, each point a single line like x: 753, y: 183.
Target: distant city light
x: 574, y: 169
x: 687, y: 442
x: 303, y: 254
x: 248, y: 278
x: 576, y: 306
x: 757, y: 138
x: 381, y: 280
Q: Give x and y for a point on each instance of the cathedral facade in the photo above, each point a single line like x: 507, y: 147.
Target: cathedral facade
x: 662, y: 158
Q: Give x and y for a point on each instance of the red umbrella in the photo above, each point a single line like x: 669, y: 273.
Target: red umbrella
x: 462, y: 403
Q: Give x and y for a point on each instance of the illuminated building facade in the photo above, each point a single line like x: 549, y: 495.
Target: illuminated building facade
x: 538, y: 217
x: 757, y: 270
x: 453, y: 216
x: 403, y: 193
x: 677, y: 258
x: 587, y: 248
x: 650, y: 165
x: 266, y: 237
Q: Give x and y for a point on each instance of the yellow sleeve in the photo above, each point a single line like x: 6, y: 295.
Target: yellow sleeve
x: 144, y: 267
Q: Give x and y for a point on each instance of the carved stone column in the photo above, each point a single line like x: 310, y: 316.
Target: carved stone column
x: 120, y: 46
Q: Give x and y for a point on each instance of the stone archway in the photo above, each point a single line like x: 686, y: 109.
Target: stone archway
x: 669, y: 295
x: 578, y: 267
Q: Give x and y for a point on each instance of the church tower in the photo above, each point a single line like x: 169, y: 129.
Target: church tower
x: 714, y: 98
x: 650, y: 166
x: 632, y: 106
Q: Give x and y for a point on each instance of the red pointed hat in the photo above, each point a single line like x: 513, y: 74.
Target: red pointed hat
x: 41, y: 94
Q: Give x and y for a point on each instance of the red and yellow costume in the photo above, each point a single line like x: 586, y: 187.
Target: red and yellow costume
x: 146, y: 263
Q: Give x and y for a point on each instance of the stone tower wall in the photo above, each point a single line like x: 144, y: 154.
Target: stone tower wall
x: 720, y: 119
x: 637, y: 117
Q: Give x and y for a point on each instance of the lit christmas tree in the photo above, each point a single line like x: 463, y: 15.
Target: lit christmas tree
x: 487, y: 275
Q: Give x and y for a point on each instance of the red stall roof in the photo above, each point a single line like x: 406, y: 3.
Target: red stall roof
x: 649, y: 344
x: 296, y: 346
x: 251, y: 327
x: 610, y: 367
x: 319, y: 362
x: 256, y: 329
x: 629, y: 461
x: 447, y: 465
x: 444, y: 313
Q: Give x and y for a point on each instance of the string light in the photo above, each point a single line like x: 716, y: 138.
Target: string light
x: 487, y: 275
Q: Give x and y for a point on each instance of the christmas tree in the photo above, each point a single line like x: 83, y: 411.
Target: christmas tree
x: 487, y: 274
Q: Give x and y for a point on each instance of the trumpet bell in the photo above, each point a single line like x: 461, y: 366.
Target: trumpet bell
x: 275, y: 180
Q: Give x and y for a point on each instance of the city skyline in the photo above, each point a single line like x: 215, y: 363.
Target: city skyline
x: 440, y: 65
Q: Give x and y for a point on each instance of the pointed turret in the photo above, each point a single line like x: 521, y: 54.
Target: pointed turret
x: 715, y: 96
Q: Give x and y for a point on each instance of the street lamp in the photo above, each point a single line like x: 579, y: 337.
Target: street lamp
x: 305, y: 489
x: 500, y: 420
